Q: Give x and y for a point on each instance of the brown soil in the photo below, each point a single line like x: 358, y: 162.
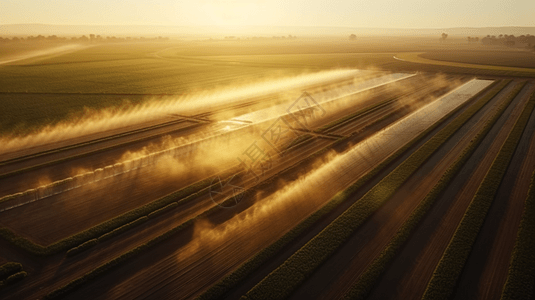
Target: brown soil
x: 95, y: 204
x: 167, y: 263
x: 339, y: 273
x: 410, y: 272
x: 486, y: 269
x: 175, y: 276
x: 59, y: 270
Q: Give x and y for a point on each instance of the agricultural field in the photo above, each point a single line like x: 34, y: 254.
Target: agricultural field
x: 520, y: 59
x: 308, y: 168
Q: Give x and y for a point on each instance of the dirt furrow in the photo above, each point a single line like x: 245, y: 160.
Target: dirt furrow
x: 486, y: 269
x: 133, y: 274
x: 351, y: 260
x: 54, y: 270
x: 410, y: 271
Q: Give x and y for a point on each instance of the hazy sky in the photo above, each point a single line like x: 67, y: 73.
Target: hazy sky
x: 347, y: 13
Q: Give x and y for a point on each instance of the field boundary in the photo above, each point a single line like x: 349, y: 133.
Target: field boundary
x: 451, y: 264
x: 127, y: 255
x: 414, y: 57
x: 282, y: 281
x: 90, y: 142
x: 183, y: 196
x: 126, y: 220
x: 231, y: 280
x: 138, y: 250
x: 57, y: 161
x: 520, y: 277
x: 366, y: 280
x: 349, y: 118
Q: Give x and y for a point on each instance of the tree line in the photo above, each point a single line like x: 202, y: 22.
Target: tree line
x: 527, y: 40
x: 92, y: 38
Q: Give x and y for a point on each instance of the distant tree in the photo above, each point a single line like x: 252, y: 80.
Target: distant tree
x: 472, y: 39
x: 352, y: 37
x: 444, y: 36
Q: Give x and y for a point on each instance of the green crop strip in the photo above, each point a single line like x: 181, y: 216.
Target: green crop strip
x: 183, y: 196
x: 99, y: 140
x: 247, y: 268
x: 450, y: 266
x: 9, y: 269
x: 521, y: 276
x: 146, y: 246
x: 340, y: 122
x: 11, y: 273
x: 61, y: 160
x: 140, y: 249
x: 283, y: 280
x: 366, y: 281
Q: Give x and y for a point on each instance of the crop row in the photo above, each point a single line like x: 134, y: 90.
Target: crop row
x: 450, y: 266
x: 11, y: 273
x: 149, y: 214
x: 422, y: 67
x: 8, y: 269
x: 140, y: 249
x: 246, y: 269
x: 61, y: 160
x: 15, y: 200
x: 349, y: 118
x: 366, y: 281
x: 300, y: 140
x: 93, y: 242
x: 151, y: 210
x: 520, y: 283
x: 99, y: 140
x: 283, y: 280
x: 126, y: 256
x: 183, y: 196
x: 227, y: 203
x: 342, y: 121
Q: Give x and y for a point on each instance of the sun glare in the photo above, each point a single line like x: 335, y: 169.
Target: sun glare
x: 228, y: 14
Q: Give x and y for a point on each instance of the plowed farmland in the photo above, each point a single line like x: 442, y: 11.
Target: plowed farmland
x: 320, y: 178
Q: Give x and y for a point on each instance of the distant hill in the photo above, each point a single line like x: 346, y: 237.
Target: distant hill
x: 205, y: 31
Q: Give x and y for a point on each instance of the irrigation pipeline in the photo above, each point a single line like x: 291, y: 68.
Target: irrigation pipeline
x: 199, y: 118
x: 19, y: 199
